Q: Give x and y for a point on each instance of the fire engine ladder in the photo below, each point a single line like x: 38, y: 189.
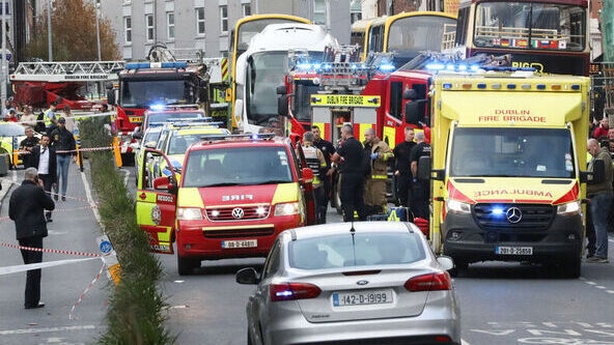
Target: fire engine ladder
x: 350, y: 75
x: 67, y: 71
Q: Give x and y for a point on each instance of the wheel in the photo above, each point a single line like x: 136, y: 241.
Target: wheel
x: 572, y: 268
x: 186, y: 266
x: 128, y: 159
x: 458, y: 267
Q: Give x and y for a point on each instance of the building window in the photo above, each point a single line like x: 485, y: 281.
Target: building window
x: 224, y: 19
x: 247, y: 9
x: 319, y: 12
x: 200, y: 21
x: 355, y: 11
x: 128, y: 29
x: 170, y: 24
x: 149, y: 23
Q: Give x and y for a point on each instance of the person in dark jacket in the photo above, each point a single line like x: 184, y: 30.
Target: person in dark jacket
x: 26, y: 145
x: 44, y: 160
x: 26, y: 208
x: 64, y: 143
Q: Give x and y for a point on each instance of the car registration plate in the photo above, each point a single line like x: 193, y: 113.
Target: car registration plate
x: 239, y: 244
x: 366, y: 297
x: 514, y: 250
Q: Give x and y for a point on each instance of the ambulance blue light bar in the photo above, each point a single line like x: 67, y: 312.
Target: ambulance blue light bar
x: 147, y: 65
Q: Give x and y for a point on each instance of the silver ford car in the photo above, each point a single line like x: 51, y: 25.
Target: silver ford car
x: 349, y: 283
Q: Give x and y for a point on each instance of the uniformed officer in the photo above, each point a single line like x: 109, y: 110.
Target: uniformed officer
x: 350, y: 151
x: 316, y: 162
x: 375, y: 187
x: 328, y: 149
x: 421, y: 193
x: 402, y: 170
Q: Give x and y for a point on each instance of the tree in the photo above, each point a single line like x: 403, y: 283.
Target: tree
x: 73, y: 29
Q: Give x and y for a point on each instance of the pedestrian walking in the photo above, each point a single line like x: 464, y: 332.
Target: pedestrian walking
x: 314, y: 159
x: 64, y: 143
x: 600, y: 194
x: 26, y: 208
x: 420, y: 188
x: 379, y: 154
x: 45, y: 160
x: 26, y: 145
x: 328, y: 149
x: 68, y: 117
x: 402, y: 167
x: 351, y: 156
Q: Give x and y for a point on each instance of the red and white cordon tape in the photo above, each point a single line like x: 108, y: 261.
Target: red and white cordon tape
x: 23, y: 268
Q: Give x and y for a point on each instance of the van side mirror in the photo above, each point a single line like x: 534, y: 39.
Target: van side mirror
x: 165, y: 183
x: 281, y: 90
x: 282, y: 105
x: 413, y: 113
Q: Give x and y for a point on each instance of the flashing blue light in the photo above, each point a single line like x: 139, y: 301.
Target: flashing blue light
x: 326, y: 67
x: 462, y: 67
x: 497, y: 211
x: 386, y: 67
x: 435, y: 66
x: 145, y: 65
x: 255, y: 136
x: 304, y: 66
x: 317, y: 66
x: 157, y: 107
x: 450, y: 67
x: 354, y: 66
x: 481, y: 85
x: 447, y: 86
x: 511, y: 86
x: 474, y: 68
x: 575, y: 86
x: 541, y: 86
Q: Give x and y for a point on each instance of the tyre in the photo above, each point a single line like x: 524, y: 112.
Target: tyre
x: 572, y: 268
x: 128, y: 159
x: 186, y: 266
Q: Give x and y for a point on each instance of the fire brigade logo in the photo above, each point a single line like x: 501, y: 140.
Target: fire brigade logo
x: 156, y: 215
x: 238, y: 213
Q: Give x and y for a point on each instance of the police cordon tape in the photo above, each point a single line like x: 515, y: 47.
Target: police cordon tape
x: 76, y: 116
x: 109, y: 261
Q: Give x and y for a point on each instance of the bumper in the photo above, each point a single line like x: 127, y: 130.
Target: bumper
x: 411, y: 330
x: 203, y: 239
x: 465, y: 242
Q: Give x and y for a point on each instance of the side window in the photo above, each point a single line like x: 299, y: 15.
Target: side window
x: 396, y: 99
x: 271, y: 265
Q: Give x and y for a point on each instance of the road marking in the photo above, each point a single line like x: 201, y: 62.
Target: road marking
x: 596, y: 286
x: 47, y: 330
x: 90, y: 200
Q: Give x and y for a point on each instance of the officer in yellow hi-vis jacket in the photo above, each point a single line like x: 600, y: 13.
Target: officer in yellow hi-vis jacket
x: 317, y: 163
x: 375, y: 187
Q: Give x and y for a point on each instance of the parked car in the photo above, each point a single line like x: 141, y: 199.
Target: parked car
x: 345, y: 283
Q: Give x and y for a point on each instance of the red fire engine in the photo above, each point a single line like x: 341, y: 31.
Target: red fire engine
x: 158, y: 83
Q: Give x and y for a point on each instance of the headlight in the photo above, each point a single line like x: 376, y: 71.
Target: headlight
x: 189, y: 213
x: 569, y: 209
x: 455, y: 206
x: 287, y: 209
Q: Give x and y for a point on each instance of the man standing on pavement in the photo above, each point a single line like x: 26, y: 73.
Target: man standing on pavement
x: 352, y: 174
x: 27, y: 145
x: 375, y: 187
x: 64, y: 143
x: 402, y: 170
x: 316, y: 162
x: 420, y: 192
x: 45, y: 160
x: 600, y: 195
x: 26, y: 208
x: 328, y: 149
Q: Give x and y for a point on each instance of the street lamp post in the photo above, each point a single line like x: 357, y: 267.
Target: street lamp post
x: 49, y: 44
x: 98, y: 30
x: 3, y: 91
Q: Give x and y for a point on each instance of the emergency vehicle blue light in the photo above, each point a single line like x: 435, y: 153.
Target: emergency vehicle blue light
x: 575, y: 86
x: 511, y: 86
x: 255, y: 136
x: 481, y: 85
x: 304, y: 66
x: 143, y: 65
x: 462, y: 67
x: 474, y: 68
x: 447, y: 86
x: 497, y: 211
x: 450, y: 67
x: 317, y: 66
x: 435, y: 66
x: 326, y: 67
x: 541, y: 86
x: 157, y: 107
x: 386, y: 67
x: 137, y: 65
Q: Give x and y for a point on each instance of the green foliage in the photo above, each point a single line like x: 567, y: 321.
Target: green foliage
x: 135, y: 312
x: 73, y: 33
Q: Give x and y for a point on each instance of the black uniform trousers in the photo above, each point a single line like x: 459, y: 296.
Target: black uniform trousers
x: 351, y: 194
x: 404, y: 187
x: 33, y: 277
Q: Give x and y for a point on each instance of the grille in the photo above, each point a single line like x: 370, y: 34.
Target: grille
x: 535, y: 217
x: 225, y: 214
x: 243, y: 233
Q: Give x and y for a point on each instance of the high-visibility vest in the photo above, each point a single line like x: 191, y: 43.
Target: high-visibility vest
x: 46, y: 118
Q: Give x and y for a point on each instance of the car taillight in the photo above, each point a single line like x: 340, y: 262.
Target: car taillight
x: 429, y: 282
x: 293, y: 291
